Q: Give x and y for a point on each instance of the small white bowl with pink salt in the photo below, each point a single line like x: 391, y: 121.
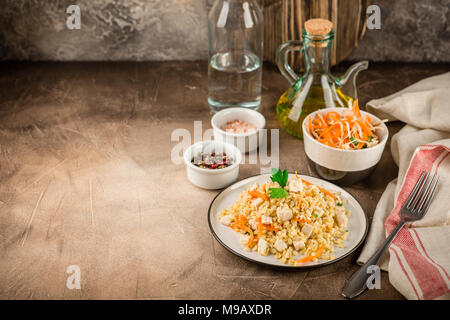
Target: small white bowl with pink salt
x: 239, y: 126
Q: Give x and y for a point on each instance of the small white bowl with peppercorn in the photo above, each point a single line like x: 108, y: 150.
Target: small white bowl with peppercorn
x: 212, y: 164
x: 240, y: 127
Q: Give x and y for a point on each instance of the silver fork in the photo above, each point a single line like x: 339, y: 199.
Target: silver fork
x: 414, y: 209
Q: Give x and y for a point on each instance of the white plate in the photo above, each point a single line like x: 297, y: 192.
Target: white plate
x: 357, y: 224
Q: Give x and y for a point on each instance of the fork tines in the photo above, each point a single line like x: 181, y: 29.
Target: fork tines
x: 420, y: 197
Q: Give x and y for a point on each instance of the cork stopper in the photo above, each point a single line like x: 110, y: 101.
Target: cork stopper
x: 318, y: 27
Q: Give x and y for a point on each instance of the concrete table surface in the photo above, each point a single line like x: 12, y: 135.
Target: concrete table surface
x: 87, y: 180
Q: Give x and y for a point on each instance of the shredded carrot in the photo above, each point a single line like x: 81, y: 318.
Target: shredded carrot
x: 312, y: 257
x: 356, y: 109
x: 235, y: 225
x: 365, y: 128
x: 349, y: 130
x: 306, y: 182
x: 360, y: 145
x: 247, y: 229
x: 310, y: 130
x: 260, y: 227
x: 336, y: 116
x: 328, y: 193
x: 258, y: 194
x: 300, y: 220
x: 321, y: 189
x: 251, y: 245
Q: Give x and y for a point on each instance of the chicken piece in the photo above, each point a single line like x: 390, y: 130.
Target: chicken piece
x: 342, y: 219
x: 298, y: 245
x: 319, y: 212
x: 244, y: 239
x: 253, y: 222
x: 295, y: 185
x: 256, y: 202
x: 307, y: 230
x: 266, y: 219
x: 280, y: 245
x: 226, y: 220
x: 284, y: 213
x: 263, y: 247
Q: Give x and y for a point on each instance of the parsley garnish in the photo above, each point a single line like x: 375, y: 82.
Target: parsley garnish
x: 282, y: 178
x: 277, y: 193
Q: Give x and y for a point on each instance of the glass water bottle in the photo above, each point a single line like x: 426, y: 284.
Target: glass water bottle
x: 236, y: 33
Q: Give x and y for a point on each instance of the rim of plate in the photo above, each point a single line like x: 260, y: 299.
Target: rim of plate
x: 287, y: 267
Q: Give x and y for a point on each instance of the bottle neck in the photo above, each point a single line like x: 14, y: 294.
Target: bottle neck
x: 317, y: 52
x: 317, y: 56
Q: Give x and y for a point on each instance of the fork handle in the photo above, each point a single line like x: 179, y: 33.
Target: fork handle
x: 357, y: 284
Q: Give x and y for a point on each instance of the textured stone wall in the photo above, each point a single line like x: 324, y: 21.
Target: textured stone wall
x: 416, y: 30
x: 411, y: 30
x: 110, y: 30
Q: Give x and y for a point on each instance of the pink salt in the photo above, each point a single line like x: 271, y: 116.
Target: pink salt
x: 239, y: 126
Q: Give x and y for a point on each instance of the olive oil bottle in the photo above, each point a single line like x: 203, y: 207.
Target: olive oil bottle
x: 317, y: 88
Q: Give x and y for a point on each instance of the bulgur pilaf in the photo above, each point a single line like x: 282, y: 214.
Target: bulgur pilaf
x: 303, y: 226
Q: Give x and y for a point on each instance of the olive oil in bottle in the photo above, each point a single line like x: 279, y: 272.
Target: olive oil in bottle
x: 314, y: 101
x: 317, y: 88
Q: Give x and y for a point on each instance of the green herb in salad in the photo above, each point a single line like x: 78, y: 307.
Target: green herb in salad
x: 282, y: 178
x: 277, y: 193
x: 354, y: 141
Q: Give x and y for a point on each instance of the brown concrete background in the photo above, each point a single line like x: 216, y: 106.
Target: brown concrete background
x: 416, y: 30
x: 86, y: 179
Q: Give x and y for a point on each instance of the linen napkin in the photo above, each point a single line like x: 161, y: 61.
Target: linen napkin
x: 419, y: 258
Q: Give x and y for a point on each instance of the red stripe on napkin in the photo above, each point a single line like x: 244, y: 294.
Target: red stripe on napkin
x: 404, y: 271
x: 426, y: 274
x: 426, y: 253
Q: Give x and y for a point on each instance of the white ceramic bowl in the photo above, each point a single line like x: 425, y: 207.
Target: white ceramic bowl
x: 212, y: 178
x: 246, y: 142
x: 343, y: 166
